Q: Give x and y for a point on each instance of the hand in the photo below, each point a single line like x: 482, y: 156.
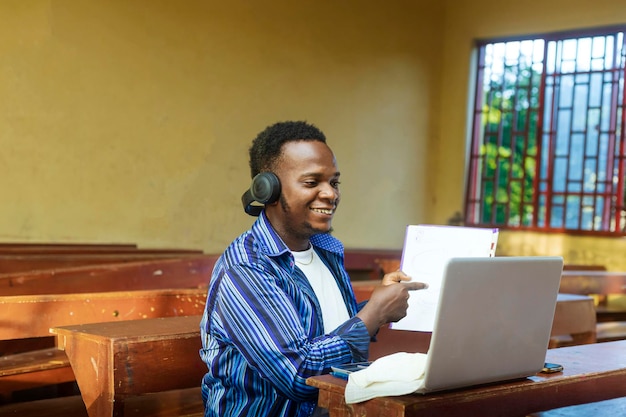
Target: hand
x: 399, y: 276
x: 389, y: 301
x: 395, y: 277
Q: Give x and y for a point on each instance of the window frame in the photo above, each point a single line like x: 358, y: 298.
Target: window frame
x: 474, y: 202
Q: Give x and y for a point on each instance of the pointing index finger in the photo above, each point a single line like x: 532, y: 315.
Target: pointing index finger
x: 413, y: 286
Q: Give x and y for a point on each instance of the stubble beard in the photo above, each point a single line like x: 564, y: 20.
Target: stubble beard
x: 311, y: 230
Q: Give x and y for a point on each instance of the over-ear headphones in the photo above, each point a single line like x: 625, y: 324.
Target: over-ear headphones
x: 265, y: 189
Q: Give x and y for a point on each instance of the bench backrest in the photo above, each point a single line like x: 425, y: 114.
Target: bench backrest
x: 593, y: 282
x: 10, y: 263
x: 363, y: 264
x: 185, y: 272
x: 28, y: 316
x: 96, y: 250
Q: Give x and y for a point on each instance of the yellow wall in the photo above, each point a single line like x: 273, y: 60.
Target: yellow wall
x: 129, y: 120
x: 467, y: 20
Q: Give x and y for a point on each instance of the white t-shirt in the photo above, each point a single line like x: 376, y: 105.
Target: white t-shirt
x: 334, y: 310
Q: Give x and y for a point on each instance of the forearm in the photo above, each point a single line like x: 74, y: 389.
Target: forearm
x: 371, y: 319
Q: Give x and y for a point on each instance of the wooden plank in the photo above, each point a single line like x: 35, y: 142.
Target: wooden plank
x: 17, y: 312
x: 45, y: 245
x: 579, y: 267
x: 175, y: 403
x: 76, y: 250
x: 365, y: 263
x: 30, y: 362
x: 593, y: 282
x: 116, y: 360
x: 186, y: 272
x: 20, y: 263
x: 34, y: 369
x: 613, y: 407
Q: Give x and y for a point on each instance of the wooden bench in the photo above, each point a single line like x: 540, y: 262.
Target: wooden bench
x: 611, y: 320
x: 186, y: 272
x: 32, y: 316
x: 174, y: 403
x: 364, y: 264
x: 29, y: 358
x: 119, y: 360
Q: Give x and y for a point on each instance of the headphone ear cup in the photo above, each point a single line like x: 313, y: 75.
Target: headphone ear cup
x: 265, y: 188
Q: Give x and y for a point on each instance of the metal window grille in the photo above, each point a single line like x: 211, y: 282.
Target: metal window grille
x: 547, y: 150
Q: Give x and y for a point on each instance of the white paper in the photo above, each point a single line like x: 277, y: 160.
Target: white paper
x: 427, y: 249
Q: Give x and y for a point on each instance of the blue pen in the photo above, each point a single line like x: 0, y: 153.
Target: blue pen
x: 339, y: 375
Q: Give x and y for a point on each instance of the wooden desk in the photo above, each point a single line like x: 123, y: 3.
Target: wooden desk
x: 116, y: 360
x: 592, y: 372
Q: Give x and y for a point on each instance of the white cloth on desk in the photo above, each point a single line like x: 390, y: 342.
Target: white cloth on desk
x: 396, y: 374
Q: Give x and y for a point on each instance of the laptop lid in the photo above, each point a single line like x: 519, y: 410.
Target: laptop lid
x: 493, y: 322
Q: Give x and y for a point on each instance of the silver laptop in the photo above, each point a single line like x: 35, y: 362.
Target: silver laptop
x: 493, y: 321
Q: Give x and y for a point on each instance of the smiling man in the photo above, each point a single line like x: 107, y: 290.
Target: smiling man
x: 280, y: 306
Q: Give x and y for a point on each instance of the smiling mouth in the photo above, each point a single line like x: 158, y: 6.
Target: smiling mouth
x: 323, y: 211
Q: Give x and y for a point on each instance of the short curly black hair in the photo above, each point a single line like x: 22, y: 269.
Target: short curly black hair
x: 267, y: 146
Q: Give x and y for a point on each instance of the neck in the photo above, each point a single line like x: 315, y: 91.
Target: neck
x: 295, y: 242
x: 299, y: 247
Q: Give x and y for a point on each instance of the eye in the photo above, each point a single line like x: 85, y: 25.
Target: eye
x: 335, y: 184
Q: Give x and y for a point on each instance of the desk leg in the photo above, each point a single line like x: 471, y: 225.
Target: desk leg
x: 89, y: 360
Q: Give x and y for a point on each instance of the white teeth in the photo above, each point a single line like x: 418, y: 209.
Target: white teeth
x: 323, y: 211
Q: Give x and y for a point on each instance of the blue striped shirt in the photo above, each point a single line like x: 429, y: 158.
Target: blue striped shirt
x: 262, y: 329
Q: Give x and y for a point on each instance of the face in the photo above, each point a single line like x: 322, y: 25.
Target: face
x: 309, y: 181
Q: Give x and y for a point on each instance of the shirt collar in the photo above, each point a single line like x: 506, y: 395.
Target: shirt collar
x: 273, y: 245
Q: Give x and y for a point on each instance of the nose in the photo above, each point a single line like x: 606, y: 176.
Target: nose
x: 329, y: 192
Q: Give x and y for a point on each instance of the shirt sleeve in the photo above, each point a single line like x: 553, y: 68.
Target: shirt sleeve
x: 269, y: 328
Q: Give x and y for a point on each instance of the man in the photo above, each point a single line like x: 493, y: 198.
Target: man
x: 280, y: 307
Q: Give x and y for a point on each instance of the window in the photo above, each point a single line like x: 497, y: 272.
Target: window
x: 547, y: 149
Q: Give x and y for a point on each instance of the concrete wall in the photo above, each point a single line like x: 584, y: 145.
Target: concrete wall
x: 130, y: 120
x: 478, y: 19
